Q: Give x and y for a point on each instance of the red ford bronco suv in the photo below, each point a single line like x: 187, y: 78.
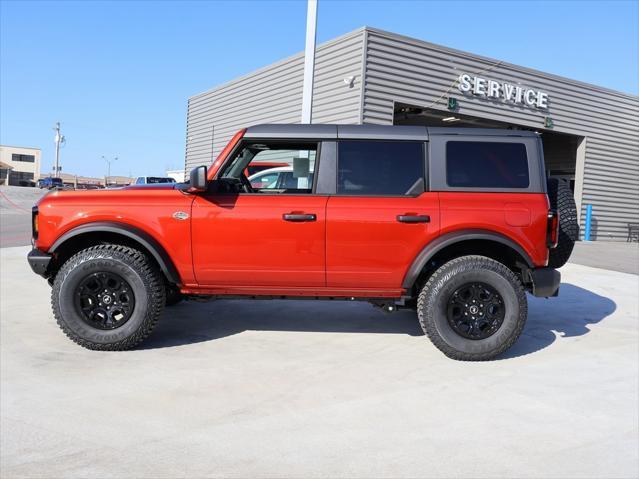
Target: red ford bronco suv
x: 456, y: 224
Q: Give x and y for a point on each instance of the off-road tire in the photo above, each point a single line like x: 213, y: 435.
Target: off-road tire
x: 173, y: 295
x: 562, y: 200
x: 433, y: 300
x: 147, y: 285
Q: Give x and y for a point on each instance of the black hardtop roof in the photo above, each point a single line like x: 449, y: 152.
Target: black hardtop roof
x: 371, y: 132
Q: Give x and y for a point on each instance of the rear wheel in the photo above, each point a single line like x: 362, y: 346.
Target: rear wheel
x: 472, y: 308
x: 108, y: 297
x: 562, y: 200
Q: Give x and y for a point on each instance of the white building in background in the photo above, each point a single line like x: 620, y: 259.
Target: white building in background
x: 177, y: 175
x: 19, y: 166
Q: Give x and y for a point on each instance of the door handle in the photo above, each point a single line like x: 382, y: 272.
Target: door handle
x: 299, y: 217
x: 413, y: 218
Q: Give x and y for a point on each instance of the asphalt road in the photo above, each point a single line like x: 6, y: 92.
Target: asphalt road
x: 15, y: 230
x: 15, y: 214
x: 321, y: 389
x: 616, y: 256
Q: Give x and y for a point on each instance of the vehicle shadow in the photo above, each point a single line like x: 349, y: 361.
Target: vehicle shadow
x: 566, y: 316
x: 190, y: 322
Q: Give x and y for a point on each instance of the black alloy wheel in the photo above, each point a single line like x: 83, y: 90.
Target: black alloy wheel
x: 475, y: 311
x: 104, y: 300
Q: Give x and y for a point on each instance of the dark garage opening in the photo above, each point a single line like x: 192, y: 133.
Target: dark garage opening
x: 560, y: 150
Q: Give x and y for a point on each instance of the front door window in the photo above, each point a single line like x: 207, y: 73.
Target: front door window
x: 278, y: 167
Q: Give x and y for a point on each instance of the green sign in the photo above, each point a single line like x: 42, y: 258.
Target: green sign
x: 452, y: 103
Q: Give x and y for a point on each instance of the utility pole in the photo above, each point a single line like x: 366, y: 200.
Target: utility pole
x: 108, y: 162
x: 58, y: 140
x: 309, y: 61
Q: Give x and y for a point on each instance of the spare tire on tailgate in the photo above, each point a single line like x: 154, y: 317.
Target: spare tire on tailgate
x: 562, y: 201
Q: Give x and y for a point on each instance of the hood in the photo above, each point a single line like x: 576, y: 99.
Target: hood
x: 123, y: 195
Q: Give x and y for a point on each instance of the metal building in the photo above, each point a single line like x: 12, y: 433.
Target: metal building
x: 590, y: 133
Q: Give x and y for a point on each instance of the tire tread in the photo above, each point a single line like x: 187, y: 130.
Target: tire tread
x: 437, y: 281
x: 562, y: 200
x: 137, y: 260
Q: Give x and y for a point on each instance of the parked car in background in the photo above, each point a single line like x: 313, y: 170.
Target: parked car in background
x: 153, y: 180
x: 255, y: 167
x: 279, y: 178
x: 272, y: 178
x: 50, y: 182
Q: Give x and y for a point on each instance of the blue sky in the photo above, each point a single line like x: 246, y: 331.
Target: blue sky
x: 118, y: 74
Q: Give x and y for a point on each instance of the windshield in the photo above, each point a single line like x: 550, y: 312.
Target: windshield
x: 157, y: 179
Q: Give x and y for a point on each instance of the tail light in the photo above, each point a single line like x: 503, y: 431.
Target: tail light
x: 34, y: 222
x: 552, y: 232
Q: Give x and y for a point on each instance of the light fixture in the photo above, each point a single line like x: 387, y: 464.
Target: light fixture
x: 450, y: 119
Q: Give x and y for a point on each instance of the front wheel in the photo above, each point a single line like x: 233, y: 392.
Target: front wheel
x: 173, y: 295
x: 472, y: 308
x: 108, y: 297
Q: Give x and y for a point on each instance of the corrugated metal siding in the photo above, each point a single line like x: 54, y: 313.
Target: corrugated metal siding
x: 274, y: 95
x: 405, y: 70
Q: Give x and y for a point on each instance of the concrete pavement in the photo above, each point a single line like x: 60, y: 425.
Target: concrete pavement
x: 617, y: 256
x: 320, y: 389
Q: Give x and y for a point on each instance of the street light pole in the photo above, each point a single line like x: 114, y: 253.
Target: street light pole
x: 58, y: 139
x: 309, y: 61
x: 108, y: 162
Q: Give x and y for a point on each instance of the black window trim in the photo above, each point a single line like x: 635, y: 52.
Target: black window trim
x: 425, y: 165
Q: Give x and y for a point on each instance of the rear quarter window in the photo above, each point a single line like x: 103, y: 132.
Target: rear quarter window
x: 478, y: 164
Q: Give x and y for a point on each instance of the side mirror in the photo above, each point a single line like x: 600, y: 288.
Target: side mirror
x: 198, y: 179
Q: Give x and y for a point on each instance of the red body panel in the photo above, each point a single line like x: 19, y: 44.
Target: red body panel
x: 306, y: 292
x: 365, y: 244
x: 149, y: 209
x: 243, y: 240
x: 521, y: 217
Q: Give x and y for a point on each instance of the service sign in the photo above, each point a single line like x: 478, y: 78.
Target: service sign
x: 507, y: 92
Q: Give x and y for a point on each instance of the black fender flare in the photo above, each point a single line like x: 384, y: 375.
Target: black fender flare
x: 432, y: 248
x: 136, y: 234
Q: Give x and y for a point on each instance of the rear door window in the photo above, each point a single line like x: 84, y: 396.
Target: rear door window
x: 478, y: 164
x: 380, y: 168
